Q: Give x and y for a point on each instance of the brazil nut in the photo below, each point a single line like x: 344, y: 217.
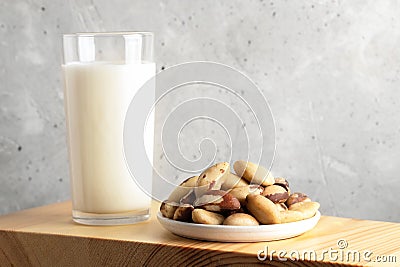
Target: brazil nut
x: 288, y: 216
x: 253, y: 173
x: 297, y: 197
x: 241, y: 219
x: 241, y: 192
x: 276, y: 193
x: 282, y: 182
x: 307, y: 208
x: 263, y: 209
x: 206, y: 217
x: 212, y: 178
x: 217, y: 200
x: 233, y: 181
x: 168, y: 208
x: 183, y: 213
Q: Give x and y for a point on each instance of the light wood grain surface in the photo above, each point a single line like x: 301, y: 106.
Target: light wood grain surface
x: 47, y: 236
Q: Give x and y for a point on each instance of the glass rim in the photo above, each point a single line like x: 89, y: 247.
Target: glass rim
x: 107, y: 34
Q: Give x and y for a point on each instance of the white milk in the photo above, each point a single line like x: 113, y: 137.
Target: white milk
x: 97, y: 96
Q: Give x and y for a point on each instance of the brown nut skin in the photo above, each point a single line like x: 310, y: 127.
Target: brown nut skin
x: 282, y: 182
x: 207, y: 217
x: 241, y: 219
x: 183, y: 213
x: 212, y: 178
x: 307, y: 208
x: 263, y: 209
x: 253, y: 173
x: 183, y: 189
x: 189, y: 198
x: 233, y: 181
x: 297, y: 197
x: 168, y: 208
x: 217, y: 200
x: 276, y: 193
x: 241, y: 192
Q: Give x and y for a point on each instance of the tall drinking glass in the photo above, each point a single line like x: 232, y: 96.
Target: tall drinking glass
x: 102, y: 72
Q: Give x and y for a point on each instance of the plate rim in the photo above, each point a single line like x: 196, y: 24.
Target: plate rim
x: 316, y: 217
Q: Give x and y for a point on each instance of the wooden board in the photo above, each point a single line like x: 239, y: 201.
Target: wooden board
x: 47, y: 236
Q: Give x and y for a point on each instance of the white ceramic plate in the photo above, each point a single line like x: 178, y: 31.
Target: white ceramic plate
x: 225, y: 233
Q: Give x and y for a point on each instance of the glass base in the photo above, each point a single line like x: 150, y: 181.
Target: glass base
x: 110, y: 219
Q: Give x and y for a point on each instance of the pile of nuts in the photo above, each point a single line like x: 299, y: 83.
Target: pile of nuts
x: 252, y: 196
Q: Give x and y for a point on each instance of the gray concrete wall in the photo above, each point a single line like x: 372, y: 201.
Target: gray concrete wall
x: 330, y: 70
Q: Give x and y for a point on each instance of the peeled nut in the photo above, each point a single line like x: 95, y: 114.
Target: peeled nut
x: 241, y: 219
x: 253, y: 173
x: 281, y: 206
x: 168, y: 209
x: 291, y: 216
x: 241, y: 192
x: 263, y: 209
x: 308, y: 209
x: 282, y: 182
x: 206, y: 217
x: 297, y: 197
x: 233, y: 181
x: 183, y: 189
x: 217, y: 200
x: 212, y: 178
x: 250, y: 197
x: 276, y: 193
x: 183, y: 213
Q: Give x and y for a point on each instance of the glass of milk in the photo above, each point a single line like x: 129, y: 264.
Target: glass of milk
x: 102, y: 73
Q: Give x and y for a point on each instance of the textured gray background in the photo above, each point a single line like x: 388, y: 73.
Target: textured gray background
x: 330, y: 70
